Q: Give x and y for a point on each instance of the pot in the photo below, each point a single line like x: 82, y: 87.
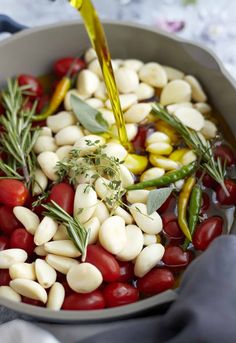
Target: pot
x: 33, y: 51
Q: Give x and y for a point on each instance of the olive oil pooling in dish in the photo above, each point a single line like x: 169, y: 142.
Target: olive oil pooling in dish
x: 98, y: 40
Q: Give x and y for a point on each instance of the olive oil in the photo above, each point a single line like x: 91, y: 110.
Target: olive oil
x: 98, y: 40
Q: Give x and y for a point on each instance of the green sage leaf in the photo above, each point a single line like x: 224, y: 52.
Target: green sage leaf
x: 156, y: 198
x: 88, y: 116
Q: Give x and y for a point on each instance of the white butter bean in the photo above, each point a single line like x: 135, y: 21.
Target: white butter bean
x: 10, y: 256
x: 85, y: 202
x: 152, y: 173
x: 112, y: 234
x: 45, y: 143
x: 144, y: 91
x: 198, y: 93
x: 133, y: 245
x: 151, y: 224
x: 45, y: 274
x: 64, y: 152
x: 45, y: 131
x: 108, y: 116
x: 148, y: 258
x: 63, y: 248
x: 139, y: 195
x: 157, y: 137
x: 101, y: 92
x: 95, y: 103
x: 87, y: 82
x: 175, y: 91
x: 127, y: 178
x: 126, y: 79
x: 119, y: 211
x: 163, y: 162
x: 61, y: 233
x: 90, y: 55
x: 95, y: 68
x: 30, y: 289
x: 56, y: 297
x: 61, y: 263
x: 149, y: 239
x: 101, y: 212
x: 115, y: 150
x: 45, y: 231
x: 133, y: 64
x: 102, y: 188
x: 67, y: 102
x: 172, y: 108
x: 61, y: 120
x: 27, y: 218
x: 93, y: 225
x: 137, y: 113
x: 153, y: 74
x: 40, y: 251
x: 7, y: 292
x: 188, y: 157
x: 48, y: 161
x: 69, y: 135
x: 160, y: 148
x: 190, y: 118
x: 209, y: 129
x: 173, y: 74
x: 131, y: 129
x: 126, y: 101
x: 22, y: 271
x: 87, y: 148
x: 40, y: 182
x: 84, y: 278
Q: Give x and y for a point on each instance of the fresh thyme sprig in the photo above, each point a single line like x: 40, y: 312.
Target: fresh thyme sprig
x: 18, y: 137
x: 76, y: 231
x: 202, y: 147
x: 94, y: 165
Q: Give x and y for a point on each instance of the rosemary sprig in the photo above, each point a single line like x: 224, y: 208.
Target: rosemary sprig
x: 201, y: 147
x: 76, y: 231
x: 18, y: 137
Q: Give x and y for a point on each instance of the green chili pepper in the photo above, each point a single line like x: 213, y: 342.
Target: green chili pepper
x: 182, y: 206
x: 166, y: 179
x: 194, y: 210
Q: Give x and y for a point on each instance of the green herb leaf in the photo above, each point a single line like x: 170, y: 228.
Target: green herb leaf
x: 156, y: 198
x: 88, y: 116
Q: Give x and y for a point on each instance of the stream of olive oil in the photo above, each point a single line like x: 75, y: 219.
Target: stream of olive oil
x: 98, y: 40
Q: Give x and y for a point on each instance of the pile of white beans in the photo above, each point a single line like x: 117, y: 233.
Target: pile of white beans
x: 130, y: 235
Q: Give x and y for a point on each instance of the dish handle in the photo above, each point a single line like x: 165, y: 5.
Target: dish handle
x: 7, y: 24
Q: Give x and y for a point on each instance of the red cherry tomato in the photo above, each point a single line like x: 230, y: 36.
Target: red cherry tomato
x: 104, y: 261
x: 225, y: 153
x: 172, y: 229
x: 2, y: 109
x: 22, y: 239
x: 168, y: 205
x: 33, y: 302
x: 86, y: 301
x: 126, y: 271
x: 63, y: 194
x: 205, y: 203
x: 140, y: 139
x: 42, y: 103
x: 8, y: 222
x: 28, y: 104
x: 63, y: 65
x: 156, y: 281
x: 207, y: 231
x: 168, y: 217
x: 35, y: 89
x: 4, y: 243
x: 207, y: 180
x: 223, y: 198
x: 175, y: 256
x: 118, y: 294
x: 4, y: 277
x: 13, y: 192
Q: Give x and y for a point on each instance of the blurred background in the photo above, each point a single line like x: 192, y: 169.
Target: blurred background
x: 212, y: 22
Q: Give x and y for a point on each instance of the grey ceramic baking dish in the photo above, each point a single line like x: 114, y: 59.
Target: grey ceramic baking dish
x: 34, y: 50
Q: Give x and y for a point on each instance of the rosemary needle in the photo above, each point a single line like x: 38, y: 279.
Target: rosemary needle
x: 202, y: 147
